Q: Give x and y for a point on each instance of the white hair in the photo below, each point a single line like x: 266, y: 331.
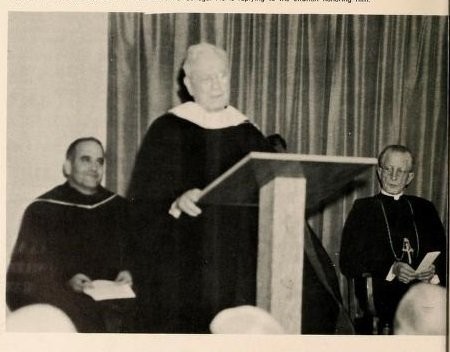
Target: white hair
x: 197, y: 51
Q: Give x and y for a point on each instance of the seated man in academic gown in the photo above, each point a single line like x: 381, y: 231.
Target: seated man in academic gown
x: 387, y: 236
x: 71, y: 235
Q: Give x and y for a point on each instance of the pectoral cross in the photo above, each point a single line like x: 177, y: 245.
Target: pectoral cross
x: 407, y: 249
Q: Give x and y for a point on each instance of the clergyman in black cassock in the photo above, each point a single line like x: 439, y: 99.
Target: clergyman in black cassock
x: 392, y: 229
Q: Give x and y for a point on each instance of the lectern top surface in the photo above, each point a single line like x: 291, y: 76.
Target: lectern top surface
x: 325, y: 175
x: 310, y: 157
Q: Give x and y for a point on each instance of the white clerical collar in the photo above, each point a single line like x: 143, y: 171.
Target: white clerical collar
x: 194, y: 113
x: 395, y: 196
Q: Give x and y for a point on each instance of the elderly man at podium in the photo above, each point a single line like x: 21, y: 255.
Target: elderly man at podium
x: 388, y: 235
x: 194, y: 262
x: 197, y: 261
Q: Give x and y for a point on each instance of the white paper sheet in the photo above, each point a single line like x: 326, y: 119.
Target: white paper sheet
x: 105, y: 289
x: 429, y: 258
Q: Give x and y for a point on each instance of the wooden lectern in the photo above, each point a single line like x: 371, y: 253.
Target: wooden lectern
x: 286, y: 184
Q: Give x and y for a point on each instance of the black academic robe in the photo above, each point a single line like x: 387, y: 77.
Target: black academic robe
x: 366, y: 245
x: 64, y: 232
x: 192, y: 268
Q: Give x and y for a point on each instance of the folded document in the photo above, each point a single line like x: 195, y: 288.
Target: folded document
x: 427, y: 261
x: 106, y: 289
x: 429, y: 258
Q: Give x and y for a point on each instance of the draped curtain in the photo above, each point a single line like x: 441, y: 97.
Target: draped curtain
x: 330, y: 84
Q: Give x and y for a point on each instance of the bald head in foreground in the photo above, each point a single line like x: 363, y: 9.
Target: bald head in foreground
x: 422, y: 311
x: 245, y: 320
x: 39, y: 318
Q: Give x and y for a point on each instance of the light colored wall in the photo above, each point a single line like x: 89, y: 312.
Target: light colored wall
x: 57, y: 76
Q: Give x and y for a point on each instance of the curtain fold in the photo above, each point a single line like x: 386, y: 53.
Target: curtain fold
x: 330, y: 84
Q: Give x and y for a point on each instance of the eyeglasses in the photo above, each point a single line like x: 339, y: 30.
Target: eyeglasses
x: 391, y: 171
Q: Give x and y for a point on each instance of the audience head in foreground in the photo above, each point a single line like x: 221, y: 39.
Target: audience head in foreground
x: 422, y: 311
x: 245, y: 320
x: 39, y: 318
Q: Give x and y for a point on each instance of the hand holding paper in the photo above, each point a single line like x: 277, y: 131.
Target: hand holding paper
x: 124, y: 277
x: 427, y: 274
x: 427, y: 261
x: 426, y: 270
x: 79, y: 282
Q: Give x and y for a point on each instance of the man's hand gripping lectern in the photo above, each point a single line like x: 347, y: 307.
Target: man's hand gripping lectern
x: 285, y: 185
